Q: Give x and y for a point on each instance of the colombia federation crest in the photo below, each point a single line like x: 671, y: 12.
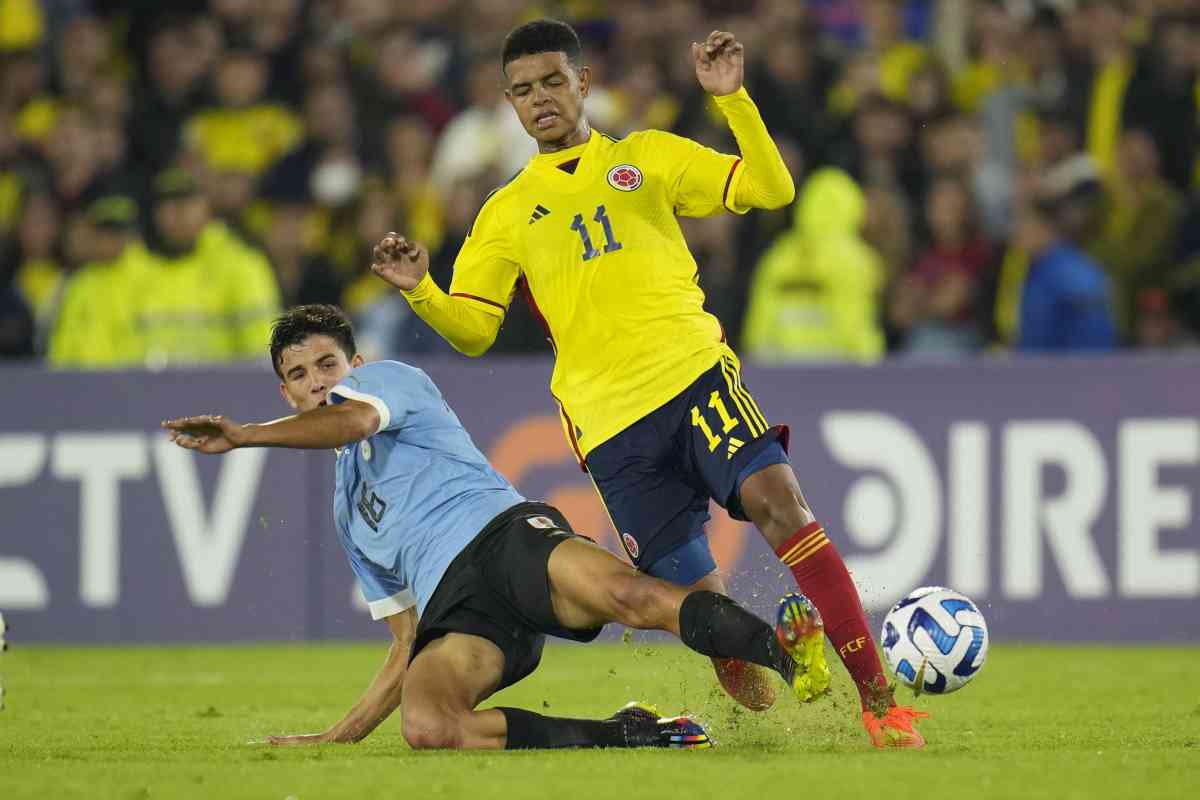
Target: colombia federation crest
x: 625, y: 177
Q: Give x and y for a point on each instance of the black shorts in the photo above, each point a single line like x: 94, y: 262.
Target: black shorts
x: 656, y: 477
x: 498, y: 588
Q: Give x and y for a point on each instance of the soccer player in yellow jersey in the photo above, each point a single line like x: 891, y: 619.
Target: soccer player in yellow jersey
x: 651, y: 396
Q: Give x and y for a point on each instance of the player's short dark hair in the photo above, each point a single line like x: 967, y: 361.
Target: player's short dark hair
x: 542, y: 36
x: 300, y: 322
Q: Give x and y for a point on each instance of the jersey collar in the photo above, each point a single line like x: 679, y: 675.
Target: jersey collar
x: 547, y: 163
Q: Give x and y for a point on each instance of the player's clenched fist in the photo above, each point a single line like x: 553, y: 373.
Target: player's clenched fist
x: 719, y: 63
x: 400, y: 262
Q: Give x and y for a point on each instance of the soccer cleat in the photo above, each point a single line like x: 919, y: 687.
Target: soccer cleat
x: 644, y: 727
x: 683, y: 732
x: 895, y: 728
x: 801, y: 633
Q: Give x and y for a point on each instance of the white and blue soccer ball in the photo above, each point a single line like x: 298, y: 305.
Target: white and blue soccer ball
x: 935, y: 640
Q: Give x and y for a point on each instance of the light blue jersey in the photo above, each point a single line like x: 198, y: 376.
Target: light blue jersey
x: 409, y: 498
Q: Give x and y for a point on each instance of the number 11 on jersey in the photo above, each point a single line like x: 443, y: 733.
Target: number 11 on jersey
x: 610, y: 241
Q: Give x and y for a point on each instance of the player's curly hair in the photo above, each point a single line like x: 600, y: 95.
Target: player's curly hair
x: 542, y: 36
x: 299, y: 322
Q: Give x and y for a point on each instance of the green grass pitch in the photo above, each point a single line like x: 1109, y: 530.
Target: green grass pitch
x: 174, y: 722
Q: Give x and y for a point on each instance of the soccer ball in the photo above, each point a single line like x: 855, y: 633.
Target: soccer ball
x: 935, y: 640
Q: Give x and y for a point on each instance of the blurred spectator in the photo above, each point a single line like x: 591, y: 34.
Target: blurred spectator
x: 244, y: 133
x: 1066, y: 303
x: 887, y: 60
x: 231, y: 197
x: 815, y: 295
x: 12, y: 176
x: 1182, y: 278
x: 937, y: 303
x: 1060, y: 137
x: 1157, y: 327
x: 888, y: 228
x: 36, y: 263
x: 73, y: 157
x: 208, y: 296
x: 375, y: 214
x: 23, y: 92
x: 1162, y: 96
x: 952, y: 146
x: 409, y: 151
x: 997, y: 62
x: 485, y: 136
x: 84, y: 53
x: 16, y: 323
x: 174, y: 84
x: 95, y: 327
x: 292, y: 245
x: 331, y: 137
x: 1139, y: 212
x: 1062, y: 170
x: 789, y: 82
x: 402, y: 80
x: 1112, y: 57
x: 929, y: 93
x: 640, y: 99
x: 880, y: 148
x: 274, y: 30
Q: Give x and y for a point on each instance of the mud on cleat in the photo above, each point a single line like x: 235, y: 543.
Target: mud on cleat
x: 800, y: 632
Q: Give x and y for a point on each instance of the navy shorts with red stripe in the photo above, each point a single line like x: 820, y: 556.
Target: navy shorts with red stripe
x: 657, y: 476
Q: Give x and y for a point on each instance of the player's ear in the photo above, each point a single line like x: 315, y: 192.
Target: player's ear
x: 357, y: 361
x: 287, y: 398
x: 585, y: 80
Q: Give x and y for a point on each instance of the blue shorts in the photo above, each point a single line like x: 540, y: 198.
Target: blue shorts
x: 656, y: 477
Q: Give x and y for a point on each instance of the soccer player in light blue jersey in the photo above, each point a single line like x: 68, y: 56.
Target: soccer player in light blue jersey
x: 469, y: 576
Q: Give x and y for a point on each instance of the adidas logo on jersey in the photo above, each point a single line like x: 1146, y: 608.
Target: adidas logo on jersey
x: 539, y: 211
x: 735, y: 444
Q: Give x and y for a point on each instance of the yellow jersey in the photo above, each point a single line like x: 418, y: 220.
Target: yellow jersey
x: 599, y: 254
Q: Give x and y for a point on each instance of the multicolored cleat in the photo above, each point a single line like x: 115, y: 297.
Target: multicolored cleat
x: 801, y: 633
x: 895, y: 728
x: 647, y: 728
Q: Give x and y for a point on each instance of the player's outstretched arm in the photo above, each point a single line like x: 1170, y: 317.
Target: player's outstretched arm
x: 381, y: 698
x: 764, y: 180
x: 322, y: 428
x: 405, y: 265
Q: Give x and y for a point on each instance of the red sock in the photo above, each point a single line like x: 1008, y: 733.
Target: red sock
x: 821, y: 575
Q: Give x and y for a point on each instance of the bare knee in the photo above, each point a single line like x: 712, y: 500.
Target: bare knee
x: 429, y: 728
x: 773, y: 501
x: 640, y: 601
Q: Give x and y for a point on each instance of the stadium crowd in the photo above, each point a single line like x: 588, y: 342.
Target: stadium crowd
x: 972, y: 175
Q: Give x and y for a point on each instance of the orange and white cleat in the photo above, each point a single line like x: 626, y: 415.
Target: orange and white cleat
x: 896, y: 728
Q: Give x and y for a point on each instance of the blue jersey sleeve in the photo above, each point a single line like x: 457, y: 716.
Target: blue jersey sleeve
x: 384, y: 592
x: 392, y: 388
